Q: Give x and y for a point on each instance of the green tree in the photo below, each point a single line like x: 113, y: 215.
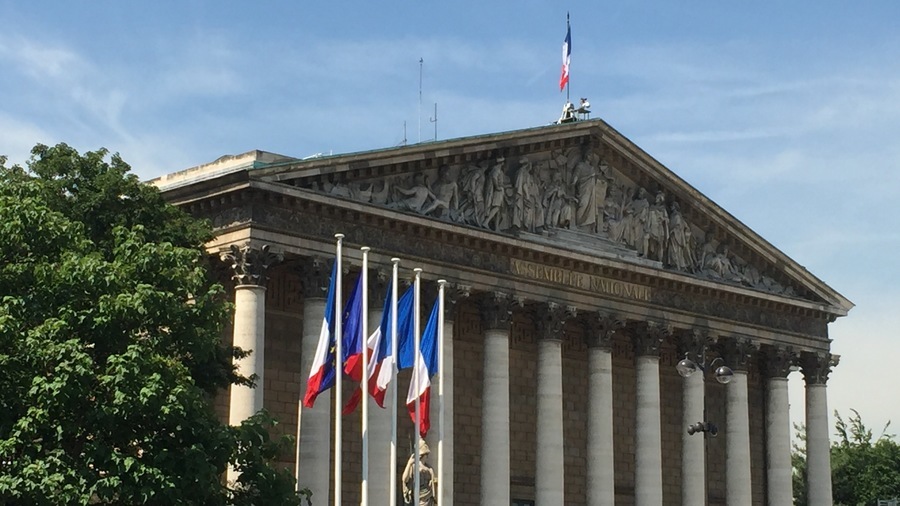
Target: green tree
x: 863, y: 469
x: 110, y: 347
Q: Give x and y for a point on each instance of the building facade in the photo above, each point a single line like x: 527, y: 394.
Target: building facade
x: 580, y: 272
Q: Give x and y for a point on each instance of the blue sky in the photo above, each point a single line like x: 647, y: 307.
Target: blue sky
x: 787, y: 114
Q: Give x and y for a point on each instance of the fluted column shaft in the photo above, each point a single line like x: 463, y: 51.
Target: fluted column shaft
x: 315, y: 429
x: 693, y: 451
x: 778, y: 443
x: 648, y: 433
x: 600, y: 458
x: 737, y: 442
x: 495, y: 419
x: 249, y: 335
x: 818, y: 455
x: 549, y: 480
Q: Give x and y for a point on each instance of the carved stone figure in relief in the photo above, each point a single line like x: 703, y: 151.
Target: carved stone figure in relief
x: 680, y: 253
x: 557, y: 203
x: 494, y: 196
x: 584, y: 181
x: 417, y: 195
x: 718, y: 265
x: 657, y: 229
x: 471, y: 205
x: 446, y: 196
x: 601, y: 186
x: 634, y: 223
x: 527, y: 210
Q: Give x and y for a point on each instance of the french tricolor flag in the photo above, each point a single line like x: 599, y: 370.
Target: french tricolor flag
x: 322, y: 372
x: 382, y: 364
x: 566, y: 56
x: 426, y: 365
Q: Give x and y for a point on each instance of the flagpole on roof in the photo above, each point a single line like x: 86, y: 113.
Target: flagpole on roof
x: 364, y: 381
x: 338, y: 354
x: 417, y: 354
x: 395, y: 352
x: 569, y: 33
x: 440, y: 351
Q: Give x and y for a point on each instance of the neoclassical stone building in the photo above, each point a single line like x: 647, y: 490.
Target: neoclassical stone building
x: 580, y: 271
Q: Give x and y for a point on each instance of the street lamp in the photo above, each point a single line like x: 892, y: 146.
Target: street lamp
x: 723, y: 374
x: 686, y: 367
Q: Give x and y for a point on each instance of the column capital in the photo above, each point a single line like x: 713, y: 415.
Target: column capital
x: 777, y: 360
x: 693, y: 342
x: 647, y: 337
x: 379, y: 279
x: 738, y: 352
x: 249, y: 263
x: 816, y: 366
x: 496, y: 310
x: 550, y: 318
x: 315, y: 273
x: 599, y: 328
x: 453, y: 293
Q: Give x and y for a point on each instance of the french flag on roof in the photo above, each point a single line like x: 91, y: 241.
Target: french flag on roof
x: 425, y: 367
x: 322, y: 372
x: 566, y: 56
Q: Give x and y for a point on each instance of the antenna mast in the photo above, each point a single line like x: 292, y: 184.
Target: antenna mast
x: 421, y: 61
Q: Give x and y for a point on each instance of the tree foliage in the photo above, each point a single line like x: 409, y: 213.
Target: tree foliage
x: 110, y: 346
x: 864, y: 469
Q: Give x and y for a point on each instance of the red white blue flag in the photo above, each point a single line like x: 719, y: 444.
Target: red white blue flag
x: 566, y: 56
x: 322, y: 372
x: 425, y: 367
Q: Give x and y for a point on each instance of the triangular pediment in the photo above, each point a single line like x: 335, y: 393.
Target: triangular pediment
x: 582, y: 187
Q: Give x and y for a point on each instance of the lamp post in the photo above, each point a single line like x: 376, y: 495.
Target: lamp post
x: 694, y: 482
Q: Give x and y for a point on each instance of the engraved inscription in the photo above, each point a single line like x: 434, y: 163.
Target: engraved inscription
x: 579, y: 280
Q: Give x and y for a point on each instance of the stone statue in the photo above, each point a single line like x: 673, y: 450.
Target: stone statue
x: 637, y: 214
x: 446, y: 196
x: 494, y: 195
x: 584, y: 182
x: 427, y: 481
x: 657, y: 229
x: 417, y: 196
x: 527, y: 211
x: 557, y: 203
x: 471, y: 204
x: 680, y: 251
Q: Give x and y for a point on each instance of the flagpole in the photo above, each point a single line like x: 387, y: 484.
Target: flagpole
x: 417, y: 354
x: 364, y: 382
x: 338, y: 357
x: 569, y: 77
x: 393, y: 387
x: 440, y: 347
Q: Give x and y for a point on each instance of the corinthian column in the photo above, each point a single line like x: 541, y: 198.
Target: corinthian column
x: 737, y: 424
x: 693, y: 446
x: 777, y: 365
x: 249, y: 264
x: 599, y: 329
x: 495, y: 314
x: 648, y: 337
x: 314, y: 440
x: 816, y: 367
x: 549, y: 475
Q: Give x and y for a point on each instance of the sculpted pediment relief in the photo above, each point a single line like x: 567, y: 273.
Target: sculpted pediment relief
x: 567, y: 197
